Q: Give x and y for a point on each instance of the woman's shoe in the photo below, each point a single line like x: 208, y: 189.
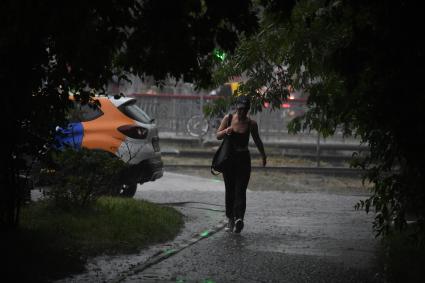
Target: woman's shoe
x: 230, y: 225
x: 238, y: 225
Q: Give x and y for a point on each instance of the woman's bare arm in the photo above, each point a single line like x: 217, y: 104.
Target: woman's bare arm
x: 223, y: 129
x: 257, y: 140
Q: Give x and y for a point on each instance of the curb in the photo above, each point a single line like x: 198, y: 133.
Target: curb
x: 162, y: 255
x: 295, y: 143
x: 336, y: 171
x: 255, y: 154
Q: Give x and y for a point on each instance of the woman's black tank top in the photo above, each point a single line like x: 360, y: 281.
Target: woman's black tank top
x: 240, y: 140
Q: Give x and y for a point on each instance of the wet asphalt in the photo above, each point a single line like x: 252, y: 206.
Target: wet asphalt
x: 288, y: 237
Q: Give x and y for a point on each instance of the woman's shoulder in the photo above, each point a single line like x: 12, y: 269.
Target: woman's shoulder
x: 252, y: 122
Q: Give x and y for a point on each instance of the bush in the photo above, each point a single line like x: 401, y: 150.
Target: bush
x: 402, y: 256
x: 79, y: 178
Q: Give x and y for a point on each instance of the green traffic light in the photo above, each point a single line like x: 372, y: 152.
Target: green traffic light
x: 220, y: 54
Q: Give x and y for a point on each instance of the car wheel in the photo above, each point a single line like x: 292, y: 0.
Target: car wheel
x: 128, y: 190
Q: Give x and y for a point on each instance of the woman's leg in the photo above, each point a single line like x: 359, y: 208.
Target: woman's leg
x: 242, y: 175
x: 229, y: 183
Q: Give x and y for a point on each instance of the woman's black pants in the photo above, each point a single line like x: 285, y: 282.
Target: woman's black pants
x: 236, y: 178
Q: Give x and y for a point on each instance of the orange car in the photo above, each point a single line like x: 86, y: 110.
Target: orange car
x: 120, y: 127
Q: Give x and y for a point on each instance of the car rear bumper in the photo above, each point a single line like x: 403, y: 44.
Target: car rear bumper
x: 145, y: 171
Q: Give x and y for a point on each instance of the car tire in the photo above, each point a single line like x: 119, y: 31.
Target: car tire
x: 128, y: 190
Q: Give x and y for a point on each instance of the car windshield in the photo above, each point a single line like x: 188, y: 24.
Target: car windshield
x: 133, y: 111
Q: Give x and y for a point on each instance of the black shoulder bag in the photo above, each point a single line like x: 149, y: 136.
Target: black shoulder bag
x: 223, y: 153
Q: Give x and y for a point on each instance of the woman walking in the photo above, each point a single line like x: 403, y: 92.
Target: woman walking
x: 236, y: 176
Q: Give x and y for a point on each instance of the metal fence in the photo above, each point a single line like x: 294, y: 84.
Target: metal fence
x: 172, y: 113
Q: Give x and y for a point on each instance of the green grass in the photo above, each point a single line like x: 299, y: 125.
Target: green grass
x: 53, y: 243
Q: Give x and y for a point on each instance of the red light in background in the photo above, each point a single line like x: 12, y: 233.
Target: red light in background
x: 286, y: 105
x: 266, y: 105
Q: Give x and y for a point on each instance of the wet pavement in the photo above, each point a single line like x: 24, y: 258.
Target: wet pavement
x: 288, y: 237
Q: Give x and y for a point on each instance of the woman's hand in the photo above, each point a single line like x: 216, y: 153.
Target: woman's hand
x: 223, y: 129
x: 229, y: 131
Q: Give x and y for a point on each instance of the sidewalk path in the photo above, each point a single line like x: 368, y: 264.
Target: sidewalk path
x: 288, y: 237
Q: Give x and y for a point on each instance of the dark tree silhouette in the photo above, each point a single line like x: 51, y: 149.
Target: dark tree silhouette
x: 362, y: 64
x: 50, y: 47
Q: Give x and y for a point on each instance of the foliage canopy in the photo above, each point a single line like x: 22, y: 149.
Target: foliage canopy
x: 361, y: 63
x: 48, y: 48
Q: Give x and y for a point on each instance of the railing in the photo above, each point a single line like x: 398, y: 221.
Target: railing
x: 172, y: 112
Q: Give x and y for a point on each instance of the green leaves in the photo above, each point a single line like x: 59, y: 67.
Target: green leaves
x: 48, y: 48
x: 80, y: 177
x: 361, y: 72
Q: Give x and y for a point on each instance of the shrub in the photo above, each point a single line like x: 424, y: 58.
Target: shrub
x: 79, y: 177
